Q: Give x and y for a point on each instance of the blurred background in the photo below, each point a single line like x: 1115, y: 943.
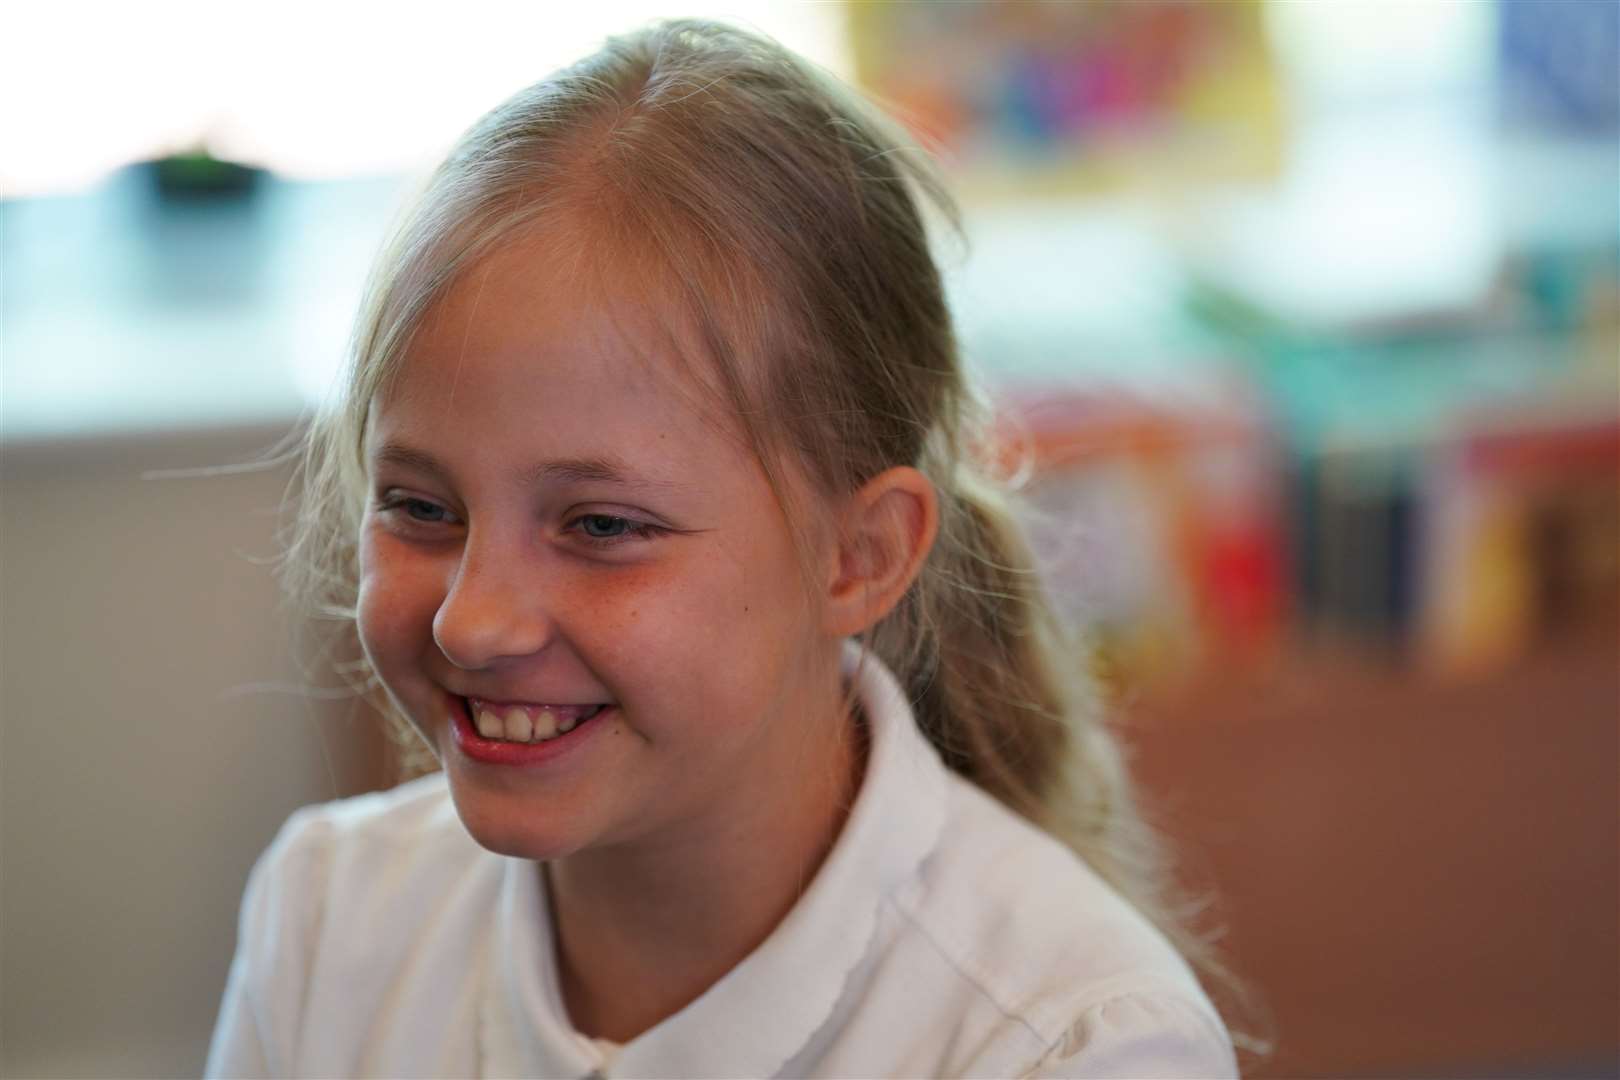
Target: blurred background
x: 1305, y: 315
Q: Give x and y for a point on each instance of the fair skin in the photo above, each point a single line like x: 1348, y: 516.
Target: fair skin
x: 554, y: 518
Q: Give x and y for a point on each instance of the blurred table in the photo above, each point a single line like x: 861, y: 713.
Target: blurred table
x: 1420, y: 878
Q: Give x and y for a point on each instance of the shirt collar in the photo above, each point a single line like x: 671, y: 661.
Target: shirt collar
x: 765, y: 1009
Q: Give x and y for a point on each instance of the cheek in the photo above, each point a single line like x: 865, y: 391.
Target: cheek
x: 394, y: 607
x: 711, y: 640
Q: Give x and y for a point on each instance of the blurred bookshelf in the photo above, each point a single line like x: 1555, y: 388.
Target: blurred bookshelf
x: 1442, y: 497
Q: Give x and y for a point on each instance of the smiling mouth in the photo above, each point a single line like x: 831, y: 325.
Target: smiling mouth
x: 526, y: 724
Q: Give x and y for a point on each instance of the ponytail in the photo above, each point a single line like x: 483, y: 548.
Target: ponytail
x: 1004, y: 690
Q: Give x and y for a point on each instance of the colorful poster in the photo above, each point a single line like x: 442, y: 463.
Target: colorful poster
x: 1069, y: 96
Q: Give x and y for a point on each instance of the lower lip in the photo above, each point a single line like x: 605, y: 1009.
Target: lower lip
x: 500, y: 752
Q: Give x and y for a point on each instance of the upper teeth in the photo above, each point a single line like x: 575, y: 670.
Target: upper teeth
x: 516, y: 723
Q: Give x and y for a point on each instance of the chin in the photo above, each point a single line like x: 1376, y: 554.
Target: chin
x: 516, y: 831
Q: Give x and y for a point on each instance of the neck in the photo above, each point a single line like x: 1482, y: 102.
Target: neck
x: 644, y: 929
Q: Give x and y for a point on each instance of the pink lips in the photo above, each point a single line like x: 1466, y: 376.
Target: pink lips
x: 501, y: 752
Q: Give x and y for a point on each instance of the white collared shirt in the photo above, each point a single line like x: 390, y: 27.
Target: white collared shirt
x: 942, y: 936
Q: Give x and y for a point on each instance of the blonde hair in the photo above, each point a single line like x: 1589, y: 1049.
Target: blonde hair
x: 785, y: 213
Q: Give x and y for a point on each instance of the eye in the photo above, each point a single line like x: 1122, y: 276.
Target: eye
x: 610, y: 530
x: 603, y: 526
x: 422, y: 510
x: 417, y: 511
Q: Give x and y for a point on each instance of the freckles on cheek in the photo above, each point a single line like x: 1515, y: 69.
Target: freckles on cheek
x: 660, y: 624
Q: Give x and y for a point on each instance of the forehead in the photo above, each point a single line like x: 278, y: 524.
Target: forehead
x: 544, y: 339
x: 541, y: 300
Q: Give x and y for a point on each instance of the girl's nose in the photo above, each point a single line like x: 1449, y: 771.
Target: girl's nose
x: 487, y: 617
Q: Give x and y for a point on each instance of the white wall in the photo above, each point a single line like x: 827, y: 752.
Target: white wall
x: 134, y: 794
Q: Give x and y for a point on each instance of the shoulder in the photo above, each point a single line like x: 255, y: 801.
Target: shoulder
x: 1144, y: 1032
x: 407, y: 822
x: 343, y: 861
x: 1084, y: 983
x: 328, y: 877
x: 354, y: 855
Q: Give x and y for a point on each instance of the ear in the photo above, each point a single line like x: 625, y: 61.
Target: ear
x: 886, y: 529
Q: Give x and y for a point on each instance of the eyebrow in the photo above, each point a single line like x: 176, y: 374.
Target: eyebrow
x: 603, y: 469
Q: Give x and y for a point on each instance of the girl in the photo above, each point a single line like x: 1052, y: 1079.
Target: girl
x: 650, y: 503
